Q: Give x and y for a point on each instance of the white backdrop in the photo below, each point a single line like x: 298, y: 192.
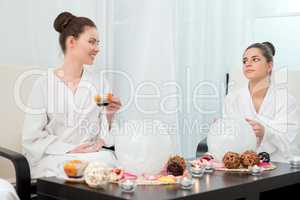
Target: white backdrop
x: 27, y: 33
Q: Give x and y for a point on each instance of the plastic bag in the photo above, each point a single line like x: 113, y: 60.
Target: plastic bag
x: 230, y: 134
x: 143, y: 148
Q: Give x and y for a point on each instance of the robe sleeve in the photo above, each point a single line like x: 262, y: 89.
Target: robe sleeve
x: 281, y: 132
x: 36, y: 140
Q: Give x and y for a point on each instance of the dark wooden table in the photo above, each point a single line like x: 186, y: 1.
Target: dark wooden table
x: 219, y: 185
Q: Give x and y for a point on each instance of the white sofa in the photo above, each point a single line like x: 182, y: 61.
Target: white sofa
x: 11, y: 115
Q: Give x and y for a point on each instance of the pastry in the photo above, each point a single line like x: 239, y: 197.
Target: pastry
x: 176, y: 166
x: 232, y: 160
x: 249, y: 158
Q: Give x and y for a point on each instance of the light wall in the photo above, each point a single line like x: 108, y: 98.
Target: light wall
x: 28, y: 40
x: 11, y: 115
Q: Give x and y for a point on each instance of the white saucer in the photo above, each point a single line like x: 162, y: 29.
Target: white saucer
x: 72, y: 180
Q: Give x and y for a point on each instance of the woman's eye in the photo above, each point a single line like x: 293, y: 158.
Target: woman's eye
x: 256, y: 59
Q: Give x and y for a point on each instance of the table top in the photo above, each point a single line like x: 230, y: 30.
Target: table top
x: 216, y: 185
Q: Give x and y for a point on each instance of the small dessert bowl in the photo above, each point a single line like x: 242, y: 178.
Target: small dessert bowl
x: 295, y: 162
x: 186, y: 183
x: 209, y: 168
x: 75, y: 168
x: 197, y: 171
x: 256, y: 170
x: 127, y: 185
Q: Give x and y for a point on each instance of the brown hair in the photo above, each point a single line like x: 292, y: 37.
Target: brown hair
x: 68, y: 24
x: 267, y: 49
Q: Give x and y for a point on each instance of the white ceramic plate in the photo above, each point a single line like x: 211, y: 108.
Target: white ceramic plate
x: 73, y: 180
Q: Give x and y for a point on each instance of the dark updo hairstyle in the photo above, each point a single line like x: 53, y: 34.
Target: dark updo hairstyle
x: 70, y: 25
x: 267, y: 49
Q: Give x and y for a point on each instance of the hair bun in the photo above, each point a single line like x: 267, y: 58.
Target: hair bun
x: 62, y: 20
x: 270, y: 47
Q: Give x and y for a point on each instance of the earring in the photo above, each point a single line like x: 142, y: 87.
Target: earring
x: 269, y: 78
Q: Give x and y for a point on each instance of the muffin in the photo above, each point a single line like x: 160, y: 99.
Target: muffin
x: 232, y: 160
x: 249, y: 158
x: 176, y: 166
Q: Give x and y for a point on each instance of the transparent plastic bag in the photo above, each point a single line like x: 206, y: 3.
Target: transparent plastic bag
x: 143, y: 148
x: 230, y: 134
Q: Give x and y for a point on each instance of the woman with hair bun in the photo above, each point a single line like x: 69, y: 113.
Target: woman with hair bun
x: 64, y: 122
x: 272, y: 112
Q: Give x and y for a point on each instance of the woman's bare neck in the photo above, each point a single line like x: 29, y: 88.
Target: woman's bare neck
x: 70, y: 70
x: 259, y: 87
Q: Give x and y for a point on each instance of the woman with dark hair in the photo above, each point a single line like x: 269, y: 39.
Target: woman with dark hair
x: 64, y: 121
x: 270, y: 110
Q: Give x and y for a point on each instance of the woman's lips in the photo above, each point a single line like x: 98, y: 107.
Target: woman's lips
x: 93, y: 56
x: 249, y: 70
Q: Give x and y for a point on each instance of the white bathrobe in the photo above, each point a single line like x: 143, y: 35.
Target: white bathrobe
x: 7, y: 191
x: 278, y: 114
x: 59, y: 120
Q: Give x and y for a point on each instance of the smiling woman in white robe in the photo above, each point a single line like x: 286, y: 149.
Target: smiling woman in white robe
x: 268, y: 107
x: 63, y: 121
x: 60, y: 121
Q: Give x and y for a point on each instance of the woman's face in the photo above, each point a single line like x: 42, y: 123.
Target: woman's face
x: 255, y: 65
x: 85, y: 47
